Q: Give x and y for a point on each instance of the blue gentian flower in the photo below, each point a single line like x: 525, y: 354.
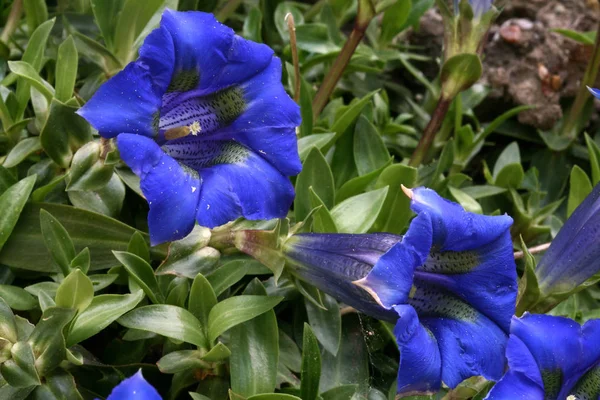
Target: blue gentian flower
x: 480, y: 7
x: 449, y: 284
x: 551, y: 358
x: 203, y: 119
x: 133, y: 388
x: 574, y: 255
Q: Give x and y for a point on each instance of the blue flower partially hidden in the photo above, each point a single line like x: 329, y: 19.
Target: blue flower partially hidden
x: 551, y: 358
x: 134, y: 388
x: 574, y: 255
x: 451, y: 280
x: 203, y: 119
x: 480, y: 7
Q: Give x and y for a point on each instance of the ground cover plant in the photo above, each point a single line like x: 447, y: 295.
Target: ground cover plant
x: 278, y: 200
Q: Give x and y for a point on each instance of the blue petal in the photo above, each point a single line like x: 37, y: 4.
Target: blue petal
x: 523, y: 379
x: 158, y: 54
x: 331, y: 262
x: 573, y: 256
x: 470, y: 343
x: 391, y: 279
x: 480, y: 7
x: 134, y: 387
x: 128, y: 102
x: 171, y: 191
x: 595, y: 92
x: 420, y: 370
x: 589, y: 359
x: 212, y: 49
x: 485, y: 277
x: 455, y: 229
x: 249, y: 187
x: 268, y: 124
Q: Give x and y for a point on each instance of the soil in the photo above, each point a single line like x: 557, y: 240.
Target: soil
x: 525, y: 62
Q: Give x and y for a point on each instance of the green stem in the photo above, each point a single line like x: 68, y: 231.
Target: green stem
x: 13, y: 20
x: 569, y: 128
x: 229, y: 8
x: 365, y: 14
x: 437, y: 118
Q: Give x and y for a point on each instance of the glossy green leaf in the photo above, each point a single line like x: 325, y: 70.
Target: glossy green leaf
x: 370, y: 152
x: 190, y: 256
x: 322, y: 220
x: 357, y: 214
x: 88, y: 171
x: 235, y: 310
x: 130, y: 23
x: 12, y: 202
x: 394, y: 19
x: 26, y: 71
x: 351, y: 364
x: 580, y: 187
x: 17, y: 298
x: 66, y: 70
x: 21, y: 151
x: 108, y: 200
x: 20, y: 370
x: 341, y: 392
x: 57, y: 241
x: 218, y: 353
x: 468, y: 203
x: 64, y: 130
x: 76, y: 291
x: 227, y: 275
x: 8, y: 325
x: 274, y: 396
x: 326, y: 322
x: 348, y: 117
x: 170, y: 321
x: 307, y: 143
x: 316, y: 174
x: 311, y: 365
x: 254, y: 350
x: 142, y: 273
x: 594, y: 154
x: 180, y: 360
x: 36, y: 13
x: 202, y: 300
x: 102, y: 311
x: 47, y: 338
x: 105, y: 12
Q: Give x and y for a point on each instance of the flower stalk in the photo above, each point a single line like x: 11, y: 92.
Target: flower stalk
x: 13, y: 20
x: 570, y: 127
x: 366, y: 12
x: 289, y: 18
x: 437, y: 118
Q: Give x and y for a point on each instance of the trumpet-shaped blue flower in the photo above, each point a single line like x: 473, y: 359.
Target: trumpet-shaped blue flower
x: 134, y: 388
x: 451, y: 281
x: 551, y: 358
x: 574, y: 255
x: 203, y: 119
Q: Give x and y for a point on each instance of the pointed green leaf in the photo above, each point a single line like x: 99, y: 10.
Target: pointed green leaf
x: 316, y: 174
x: 142, y: 273
x: 357, y: 214
x: 102, y: 311
x: 255, y: 350
x: 235, y: 310
x: 311, y: 365
x: 66, y: 69
x: 12, y: 202
x: 76, y: 291
x: 57, y: 240
x: 170, y: 321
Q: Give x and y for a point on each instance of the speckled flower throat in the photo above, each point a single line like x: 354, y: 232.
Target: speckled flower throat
x: 187, y: 119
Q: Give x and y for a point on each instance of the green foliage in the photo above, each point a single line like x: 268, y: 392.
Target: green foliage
x: 85, y: 300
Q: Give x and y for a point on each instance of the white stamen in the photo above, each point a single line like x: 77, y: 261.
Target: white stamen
x: 195, y: 128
